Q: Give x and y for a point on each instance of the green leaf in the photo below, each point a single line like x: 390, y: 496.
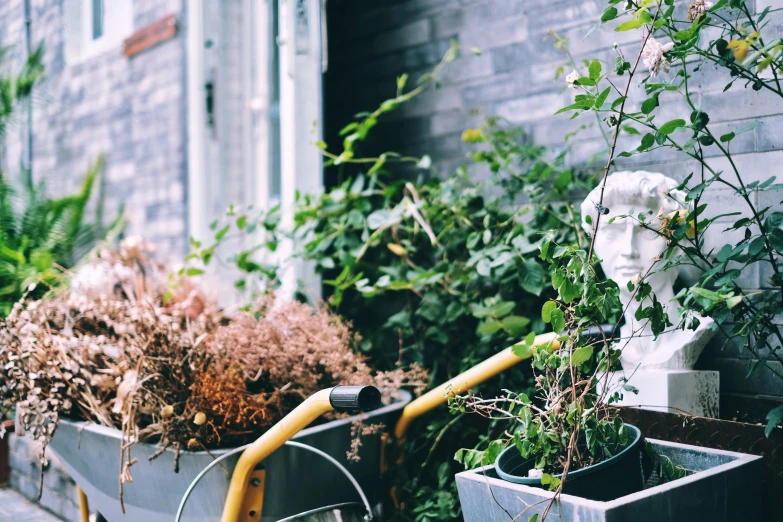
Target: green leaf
x: 194, y: 271
x: 731, y: 302
x: 671, y: 126
x: 382, y: 219
x: 650, y: 104
x: 581, y: 355
x: 493, y: 450
x: 774, y: 417
x: 557, y: 318
x: 502, y: 309
x: 549, y: 480
x: 727, y: 137
x: 774, y: 220
x: 546, y: 311
x: 222, y: 233
x: 587, y: 82
x: 648, y: 140
x: 484, y: 267
x: 521, y: 350
x: 609, y: 14
x: 515, y: 324
x: 629, y: 25
x: 581, y: 104
x: 533, y: 277
x: 594, y: 69
x: 489, y: 327
x: 599, y: 102
x: 619, y: 101
x: 631, y: 130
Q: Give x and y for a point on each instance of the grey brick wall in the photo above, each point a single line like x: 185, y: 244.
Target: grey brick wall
x: 130, y: 109
x: 373, y: 42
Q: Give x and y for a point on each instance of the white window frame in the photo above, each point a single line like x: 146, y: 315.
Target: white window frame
x: 80, y: 45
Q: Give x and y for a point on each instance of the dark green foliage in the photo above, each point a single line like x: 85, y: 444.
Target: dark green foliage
x: 443, y: 272
x: 39, y: 236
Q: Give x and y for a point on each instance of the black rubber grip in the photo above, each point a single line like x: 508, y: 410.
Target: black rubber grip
x: 355, y: 398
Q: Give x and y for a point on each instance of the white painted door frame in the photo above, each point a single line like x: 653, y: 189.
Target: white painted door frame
x: 301, y: 63
x: 301, y: 121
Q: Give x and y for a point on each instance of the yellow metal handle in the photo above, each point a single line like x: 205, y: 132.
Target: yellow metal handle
x: 312, y: 408
x: 465, y: 381
x: 244, y: 504
x: 84, y: 506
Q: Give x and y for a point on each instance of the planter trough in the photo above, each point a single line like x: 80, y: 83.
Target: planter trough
x: 725, y: 486
x: 296, y: 480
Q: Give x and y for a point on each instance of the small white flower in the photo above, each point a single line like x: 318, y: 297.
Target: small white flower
x: 535, y: 473
x: 636, y: 279
x: 571, y: 79
x: 653, y: 58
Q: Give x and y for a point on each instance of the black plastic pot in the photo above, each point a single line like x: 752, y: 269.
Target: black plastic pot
x: 612, y: 478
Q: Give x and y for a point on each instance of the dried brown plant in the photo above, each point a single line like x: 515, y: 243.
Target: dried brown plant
x: 152, y: 355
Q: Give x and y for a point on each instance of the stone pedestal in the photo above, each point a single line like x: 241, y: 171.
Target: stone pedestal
x: 676, y: 391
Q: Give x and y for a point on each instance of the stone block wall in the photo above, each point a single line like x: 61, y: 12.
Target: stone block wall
x: 59, y: 493
x: 514, y: 77
x: 132, y: 110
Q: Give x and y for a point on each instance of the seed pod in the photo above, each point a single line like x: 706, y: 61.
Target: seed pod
x: 167, y: 411
x: 200, y: 419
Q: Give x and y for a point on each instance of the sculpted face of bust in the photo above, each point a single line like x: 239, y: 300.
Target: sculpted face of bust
x: 624, y: 246
x: 627, y: 250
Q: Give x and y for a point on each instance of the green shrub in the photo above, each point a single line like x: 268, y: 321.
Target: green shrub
x: 39, y: 236
x: 442, y: 272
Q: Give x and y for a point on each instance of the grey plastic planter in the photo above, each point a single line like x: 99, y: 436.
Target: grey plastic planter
x: 296, y: 480
x: 725, y: 487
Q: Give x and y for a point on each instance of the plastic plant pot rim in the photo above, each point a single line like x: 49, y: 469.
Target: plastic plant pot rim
x: 536, y: 481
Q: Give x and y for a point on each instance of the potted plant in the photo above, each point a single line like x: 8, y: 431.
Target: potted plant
x: 568, y: 448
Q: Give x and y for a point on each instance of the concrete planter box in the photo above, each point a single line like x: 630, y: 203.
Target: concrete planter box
x: 725, y: 487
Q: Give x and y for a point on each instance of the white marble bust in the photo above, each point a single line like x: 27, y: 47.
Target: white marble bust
x: 627, y: 251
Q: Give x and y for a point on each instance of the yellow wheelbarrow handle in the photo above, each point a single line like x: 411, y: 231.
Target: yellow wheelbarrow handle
x: 465, y: 381
x: 239, y: 505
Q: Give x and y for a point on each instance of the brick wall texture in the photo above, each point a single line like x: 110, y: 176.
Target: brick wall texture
x: 373, y: 42
x: 130, y: 109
